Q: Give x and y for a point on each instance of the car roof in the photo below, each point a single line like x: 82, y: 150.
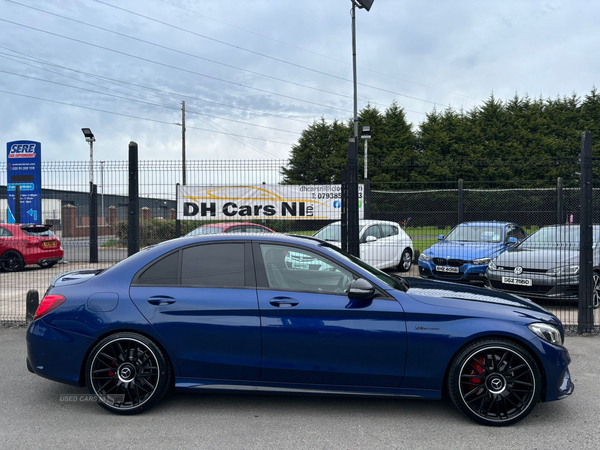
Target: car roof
x: 228, y: 224
x: 489, y: 223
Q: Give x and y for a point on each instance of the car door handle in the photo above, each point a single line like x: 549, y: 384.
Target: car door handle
x: 160, y: 300
x: 283, y: 302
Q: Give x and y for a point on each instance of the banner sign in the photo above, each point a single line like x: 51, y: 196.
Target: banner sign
x: 276, y: 201
x: 24, y: 169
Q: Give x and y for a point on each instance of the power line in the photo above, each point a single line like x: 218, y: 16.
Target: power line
x: 137, y: 117
x: 117, y: 81
x: 265, y: 55
x: 197, y: 56
x: 316, y: 53
x: 170, y: 66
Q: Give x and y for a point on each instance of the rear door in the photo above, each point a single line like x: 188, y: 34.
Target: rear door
x: 202, y: 300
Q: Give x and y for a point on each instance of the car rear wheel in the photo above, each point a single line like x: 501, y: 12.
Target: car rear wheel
x: 405, y: 261
x: 12, y: 261
x: 128, y: 373
x: 494, y: 382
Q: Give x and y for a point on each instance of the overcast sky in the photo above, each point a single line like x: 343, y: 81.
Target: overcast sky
x: 254, y: 74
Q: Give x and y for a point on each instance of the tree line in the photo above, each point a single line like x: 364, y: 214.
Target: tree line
x: 520, y: 139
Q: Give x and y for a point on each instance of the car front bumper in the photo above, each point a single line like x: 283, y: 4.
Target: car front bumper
x: 542, y: 286
x: 468, y: 273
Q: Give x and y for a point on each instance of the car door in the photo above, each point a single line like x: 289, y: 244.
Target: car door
x: 313, y: 334
x: 372, y: 252
x: 202, y: 301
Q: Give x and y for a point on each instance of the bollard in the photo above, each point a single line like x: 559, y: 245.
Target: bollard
x: 32, y: 303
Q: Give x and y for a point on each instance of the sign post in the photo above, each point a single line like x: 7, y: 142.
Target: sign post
x: 24, y: 170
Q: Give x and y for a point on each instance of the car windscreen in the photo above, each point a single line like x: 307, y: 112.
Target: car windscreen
x: 40, y: 231
x: 390, y: 281
x: 205, y: 230
x: 332, y: 232
x: 557, y: 236
x: 475, y: 234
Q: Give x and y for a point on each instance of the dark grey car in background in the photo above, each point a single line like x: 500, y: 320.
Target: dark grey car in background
x: 545, y: 265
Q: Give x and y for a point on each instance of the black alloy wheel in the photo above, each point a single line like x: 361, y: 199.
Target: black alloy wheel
x: 12, y: 261
x: 128, y: 373
x: 596, y: 290
x: 405, y: 261
x: 494, y: 382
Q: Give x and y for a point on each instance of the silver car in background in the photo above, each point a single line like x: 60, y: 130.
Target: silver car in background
x: 545, y: 265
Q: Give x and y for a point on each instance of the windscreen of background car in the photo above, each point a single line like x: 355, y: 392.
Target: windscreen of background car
x: 205, y: 230
x: 331, y: 232
x: 556, y: 236
x: 475, y: 234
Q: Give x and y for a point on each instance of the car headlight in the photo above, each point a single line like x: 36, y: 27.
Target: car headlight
x: 492, y: 266
x: 481, y: 261
x: 424, y: 257
x: 563, y: 270
x: 547, y: 332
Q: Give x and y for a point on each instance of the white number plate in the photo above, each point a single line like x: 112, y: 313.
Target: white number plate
x: 447, y: 269
x: 517, y: 281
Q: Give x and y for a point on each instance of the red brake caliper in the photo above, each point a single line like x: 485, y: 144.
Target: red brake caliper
x: 110, y: 372
x: 477, y: 371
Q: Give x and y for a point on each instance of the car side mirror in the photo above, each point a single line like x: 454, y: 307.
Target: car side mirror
x: 441, y: 237
x: 361, y: 289
x: 370, y: 239
x: 512, y: 240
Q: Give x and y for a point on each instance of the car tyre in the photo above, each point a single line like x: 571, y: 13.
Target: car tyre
x: 596, y: 289
x: 494, y: 382
x: 405, y: 261
x: 128, y: 373
x: 12, y: 261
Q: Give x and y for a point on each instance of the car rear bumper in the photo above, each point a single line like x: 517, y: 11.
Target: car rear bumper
x: 56, y: 354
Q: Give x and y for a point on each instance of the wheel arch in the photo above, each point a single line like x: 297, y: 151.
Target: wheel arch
x: 162, y: 348
x: 523, y: 343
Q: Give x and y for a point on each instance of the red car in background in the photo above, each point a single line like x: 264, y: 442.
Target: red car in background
x: 22, y: 244
x: 230, y: 227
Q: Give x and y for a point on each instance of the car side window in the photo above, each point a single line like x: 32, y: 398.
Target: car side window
x: 388, y: 230
x: 237, y: 229
x: 252, y: 229
x: 291, y: 268
x: 163, y: 272
x: 374, y: 231
x: 514, y: 231
x: 4, y: 232
x: 213, y: 265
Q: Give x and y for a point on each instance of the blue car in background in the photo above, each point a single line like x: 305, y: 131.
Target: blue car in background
x: 464, y: 254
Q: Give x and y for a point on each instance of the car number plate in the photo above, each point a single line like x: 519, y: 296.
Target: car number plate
x: 50, y: 244
x: 447, y: 269
x: 517, y: 281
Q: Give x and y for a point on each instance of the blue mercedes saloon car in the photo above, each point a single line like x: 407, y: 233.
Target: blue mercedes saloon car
x: 226, y: 313
x: 464, y: 254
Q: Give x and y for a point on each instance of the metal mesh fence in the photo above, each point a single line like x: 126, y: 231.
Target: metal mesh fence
x: 499, y: 212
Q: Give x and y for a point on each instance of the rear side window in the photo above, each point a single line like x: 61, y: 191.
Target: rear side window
x: 388, y: 230
x: 214, y: 265
x: 4, y: 232
x: 163, y: 272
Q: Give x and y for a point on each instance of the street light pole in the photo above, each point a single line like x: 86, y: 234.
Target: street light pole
x: 89, y: 137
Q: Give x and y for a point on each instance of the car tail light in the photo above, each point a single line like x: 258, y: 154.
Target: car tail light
x: 32, y: 242
x: 49, y: 303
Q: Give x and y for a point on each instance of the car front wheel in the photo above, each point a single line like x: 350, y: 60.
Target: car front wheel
x: 494, y: 382
x: 127, y: 373
x: 405, y: 261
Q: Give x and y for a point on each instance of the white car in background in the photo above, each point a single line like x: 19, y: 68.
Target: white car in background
x: 383, y: 244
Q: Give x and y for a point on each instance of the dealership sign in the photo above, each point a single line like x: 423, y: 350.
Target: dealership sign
x: 24, y: 170
x: 287, y: 202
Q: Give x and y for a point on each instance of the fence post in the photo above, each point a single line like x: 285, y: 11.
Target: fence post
x: 585, y: 320
x: 367, y: 199
x: 177, y: 221
x: 133, y: 219
x: 559, y: 201
x: 93, y: 226
x: 344, y: 211
x: 353, y: 229
x: 17, y: 203
x: 461, y: 206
